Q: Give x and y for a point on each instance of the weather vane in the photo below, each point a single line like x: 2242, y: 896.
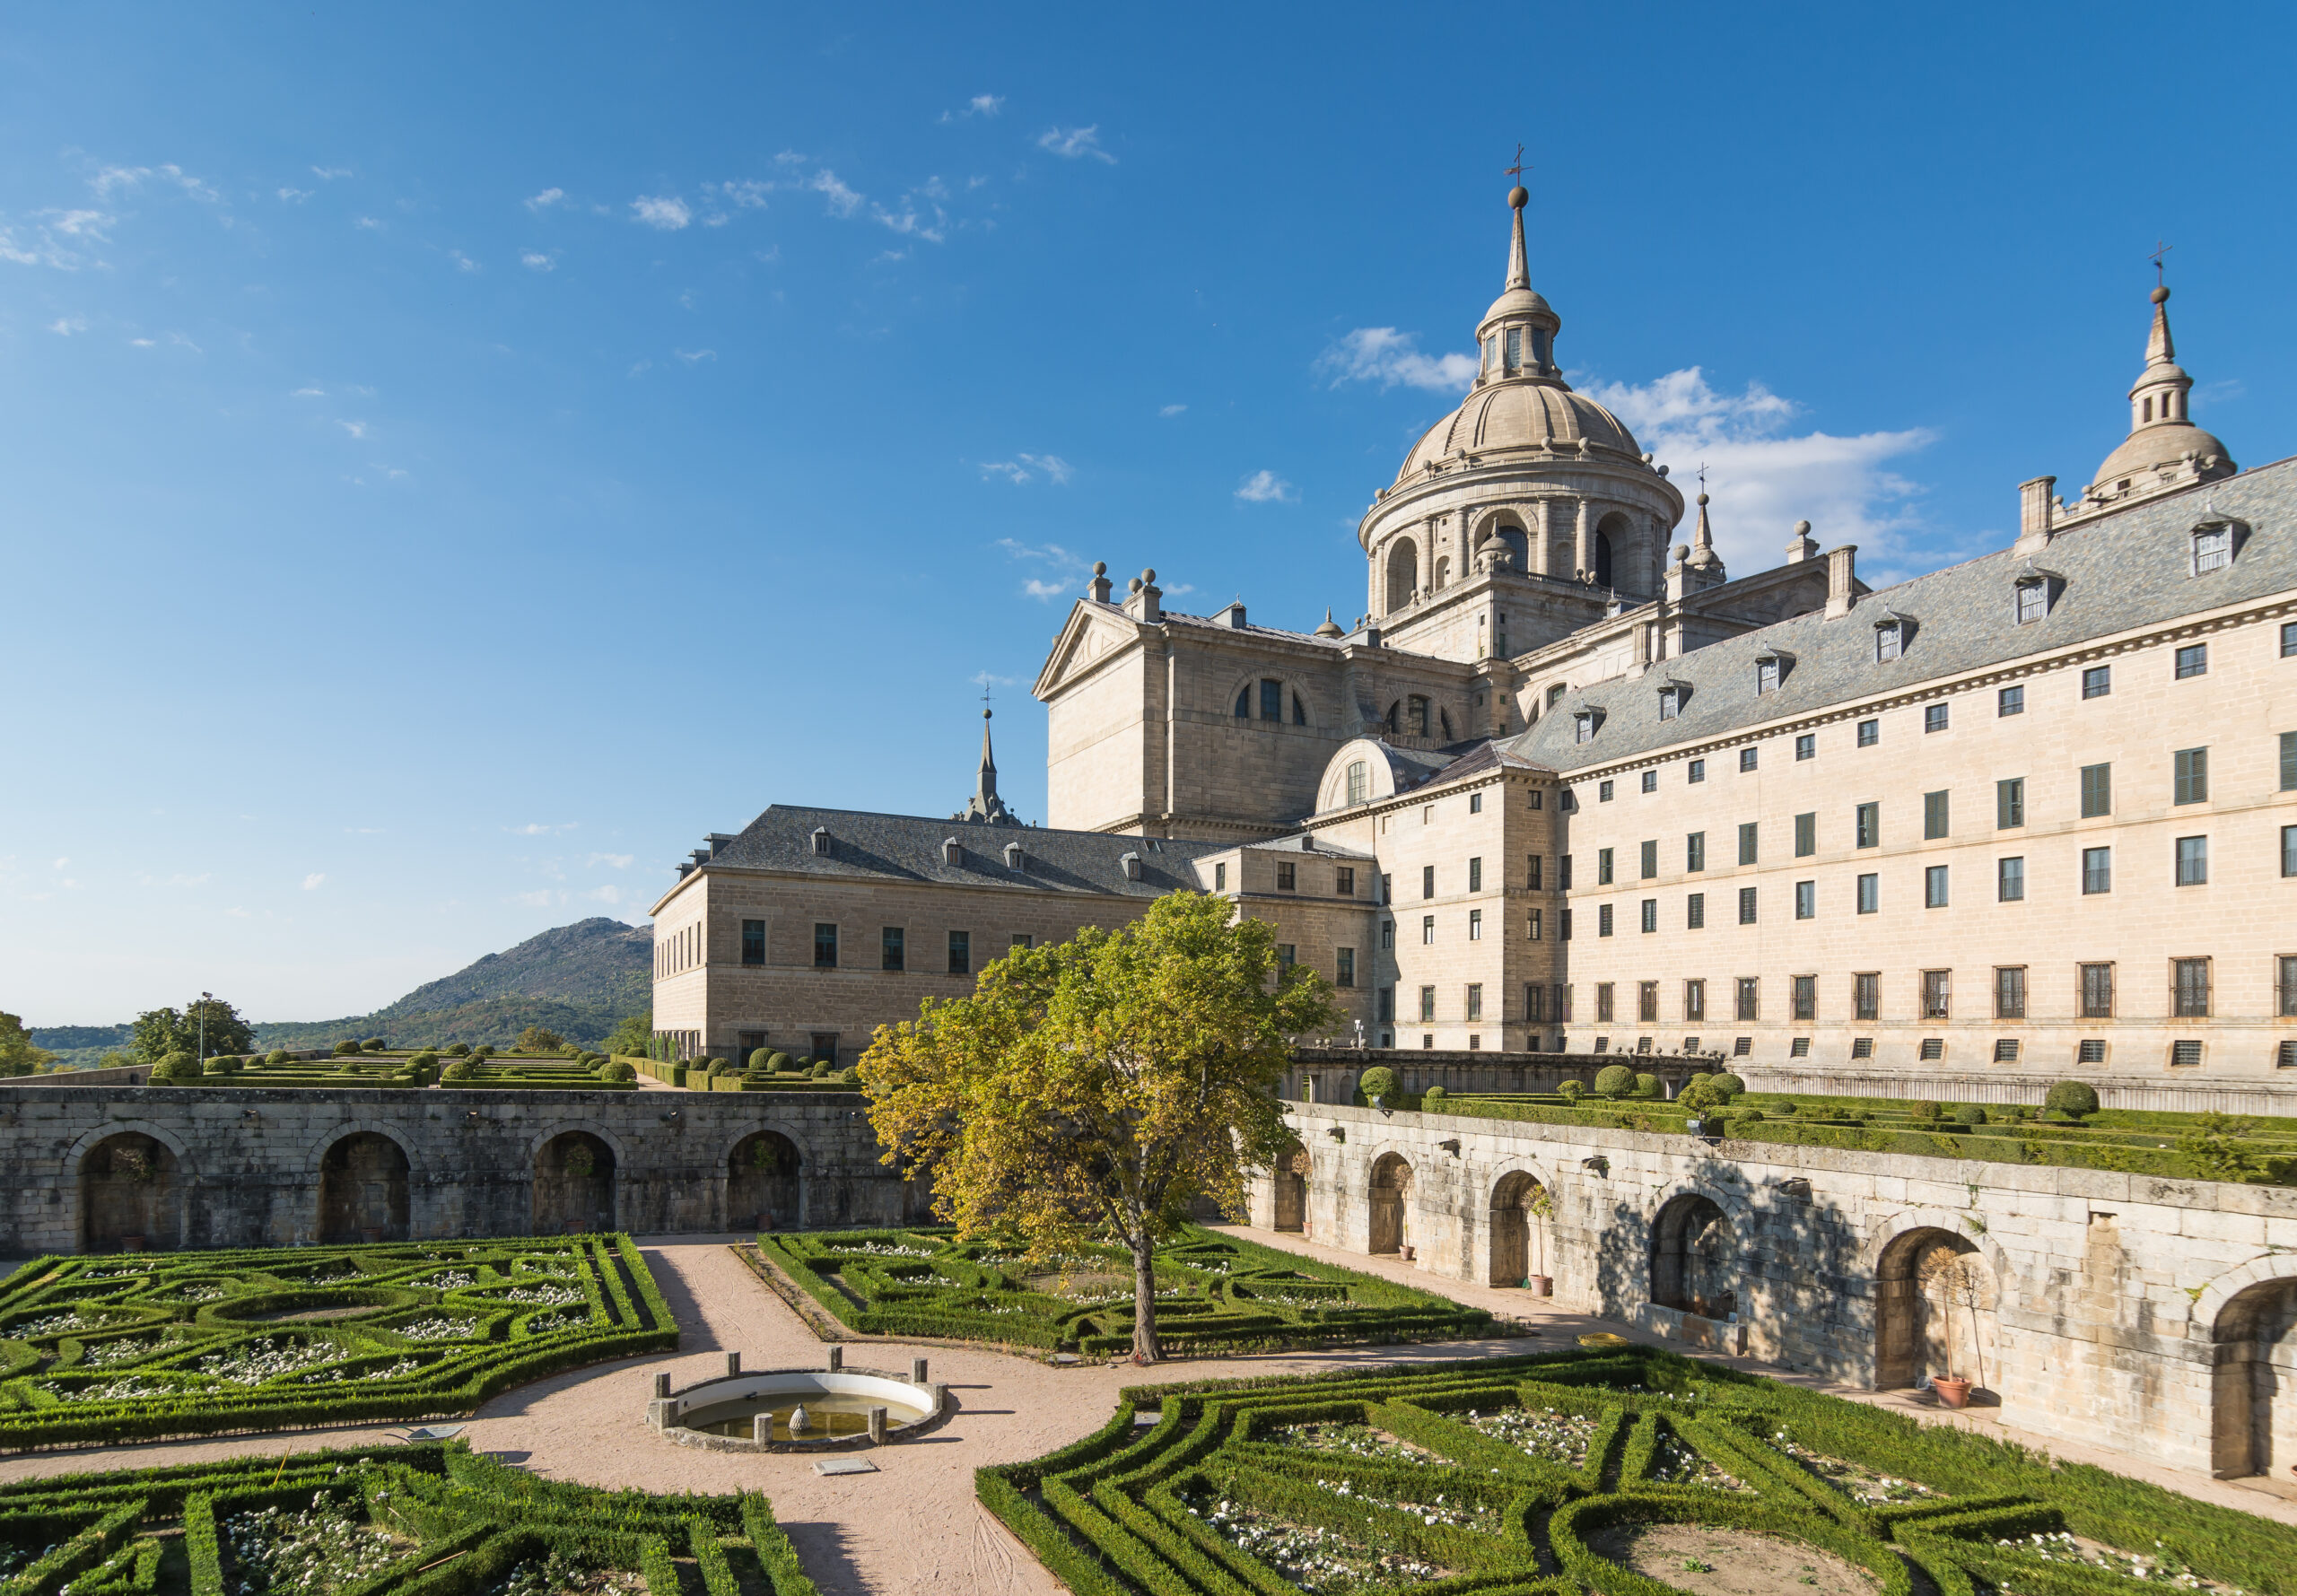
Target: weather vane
x: 984, y: 701
x: 1702, y: 477
x: 1518, y: 171
x: 2161, y: 248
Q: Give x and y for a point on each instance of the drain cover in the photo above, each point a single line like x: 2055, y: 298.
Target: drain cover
x: 846, y: 1466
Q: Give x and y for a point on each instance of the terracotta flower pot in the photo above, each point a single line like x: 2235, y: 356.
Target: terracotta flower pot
x: 1406, y: 1251
x: 371, y: 1233
x: 1952, y: 1391
x: 1539, y: 1285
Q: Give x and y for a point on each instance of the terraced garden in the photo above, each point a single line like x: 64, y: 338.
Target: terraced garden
x: 1628, y: 1473
x: 134, y: 1346
x: 1214, y: 1294
x: 426, y: 1519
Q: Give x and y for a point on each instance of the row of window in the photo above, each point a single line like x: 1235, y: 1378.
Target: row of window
x: 2185, y: 1053
x: 2094, y: 992
x: 893, y: 946
x: 1890, y: 633
x: 1287, y: 878
x: 1271, y: 703
x: 2190, y: 868
x: 679, y: 950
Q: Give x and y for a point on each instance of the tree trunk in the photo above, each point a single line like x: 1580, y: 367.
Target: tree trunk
x: 1144, y: 1304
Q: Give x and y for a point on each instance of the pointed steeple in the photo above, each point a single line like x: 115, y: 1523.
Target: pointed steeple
x: 2164, y: 450
x: 1517, y: 335
x: 2159, y: 350
x: 1519, y: 267
x: 985, y: 808
x: 1702, y: 543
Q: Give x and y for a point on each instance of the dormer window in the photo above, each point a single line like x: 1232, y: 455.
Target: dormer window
x: 2032, y: 598
x: 1359, y: 784
x: 1767, y: 674
x: 1583, y: 725
x: 2213, y: 548
x: 1672, y: 699
x: 1890, y: 641
x: 1130, y: 864
x: 1015, y: 860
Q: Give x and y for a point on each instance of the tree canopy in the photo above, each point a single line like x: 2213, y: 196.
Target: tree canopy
x: 540, y: 1039
x: 163, y: 1031
x: 19, y: 1054
x: 1096, y: 1087
x: 631, y: 1035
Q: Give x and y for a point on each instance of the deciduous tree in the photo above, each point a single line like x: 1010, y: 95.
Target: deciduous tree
x: 163, y: 1031
x: 18, y: 1055
x: 1094, y: 1088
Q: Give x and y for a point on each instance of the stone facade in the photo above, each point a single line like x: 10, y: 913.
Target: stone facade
x: 83, y: 1167
x: 2112, y: 1309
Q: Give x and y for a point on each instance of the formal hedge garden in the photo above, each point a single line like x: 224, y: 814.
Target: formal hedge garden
x: 458, y: 1066
x: 422, y: 1519
x: 2069, y: 1130
x: 1630, y: 1472
x: 137, y: 1345
x: 1214, y: 1294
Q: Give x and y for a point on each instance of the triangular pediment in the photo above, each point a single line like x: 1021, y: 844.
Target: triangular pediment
x: 1092, y: 633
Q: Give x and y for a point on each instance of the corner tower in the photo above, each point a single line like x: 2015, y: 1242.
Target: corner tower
x: 1525, y: 514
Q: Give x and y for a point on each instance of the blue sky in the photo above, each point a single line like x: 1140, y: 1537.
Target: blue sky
x: 455, y: 456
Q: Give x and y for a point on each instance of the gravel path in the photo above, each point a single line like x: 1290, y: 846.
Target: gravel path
x: 914, y: 1527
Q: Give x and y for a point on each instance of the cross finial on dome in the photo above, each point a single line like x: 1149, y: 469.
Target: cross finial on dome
x: 1519, y: 270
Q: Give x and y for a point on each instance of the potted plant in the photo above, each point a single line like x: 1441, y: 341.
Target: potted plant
x: 1957, y: 1279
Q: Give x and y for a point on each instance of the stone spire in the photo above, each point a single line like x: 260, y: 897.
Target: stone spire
x: 1702, y: 543
x: 1519, y: 268
x: 2164, y: 450
x: 985, y: 808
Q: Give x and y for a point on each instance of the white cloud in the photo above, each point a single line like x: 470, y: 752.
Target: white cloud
x: 979, y: 105
x: 58, y: 239
x: 463, y: 262
x: 111, y: 179
x: 695, y: 356
x: 59, y: 864
x: 665, y: 211
x: 1763, y: 479
x: 535, y: 828
x: 538, y: 899
x: 144, y: 343
x: 1018, y: 469
x: 66, y: 326
x: 1069, y: 569
x: 368, y: 224
x: 546, y: 199
x: 1384, y: 355
x: 745, y: 194
x: 535, y: 260
x: 1171, y: 410
x: 620, y: 861
x: 183, y: 342
x: 605, y: 895
x: 294, y: 196
x: 309, y: 393
x: 80, y: 225
x: 1265, y: 487
x: 314, y: 881
x: 842, y: 200
x: 357, y: 428
x: 328, y: 174
x: 1075, y: 143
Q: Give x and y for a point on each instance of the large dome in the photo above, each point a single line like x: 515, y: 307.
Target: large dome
x: 1520, y: 415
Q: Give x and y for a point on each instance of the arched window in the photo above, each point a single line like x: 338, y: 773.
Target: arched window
x: 1555, y: 694
x: 1403, y: 573
x: 1299, y: 711
x: 1602, y: 559
x: 1443, y: 719
x: 1443, y: 571
x: 1515, y: 349
x: 1416, y: 716
x: 1359, y: 783
x: 1272, y: 701
x: 1245, y: 702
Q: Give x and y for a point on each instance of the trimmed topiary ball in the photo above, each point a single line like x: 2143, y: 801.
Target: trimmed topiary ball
x: 762, y: 1058
x: 483, y: 1052
x: 277, y: 1055
x: 850, y: 1075
x: 1647, y: 1085
x: 1729, y: 1084
x: 459, y: 1070
x: 173, y: 1068
x: 1433, y: 1095
x: 461, y: 1050
x: 1970, y: 1113
x: 423, y: 1056
x: 1922, y: 1113
x: 1572, y: 1091
x: 373, y: 1044
x: 780, y: 1062
x: 1378, y: 1084
x: 342, y: 1048
x: 615, y: 1069
x: 224, y: 1064
x: 2076, y: 1100
x: 822, y: 1069
x: 1614, y: 1081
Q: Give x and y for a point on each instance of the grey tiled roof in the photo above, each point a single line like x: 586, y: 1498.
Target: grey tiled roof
x: 2123, y: 572
x: 865, y: 846
x: 1324, y: 846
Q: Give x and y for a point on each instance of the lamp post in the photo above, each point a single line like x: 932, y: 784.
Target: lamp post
x: 205, y: 999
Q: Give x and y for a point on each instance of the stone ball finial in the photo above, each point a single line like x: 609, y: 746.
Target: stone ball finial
x: 1680, y: 552
x: 1518, y: 196
x: 1148, y: 575
x: 2160, y: 295
x: 1802, y: 528
x: 1136, y: 584
x: 1100, y: 568
x: 1702, y: 498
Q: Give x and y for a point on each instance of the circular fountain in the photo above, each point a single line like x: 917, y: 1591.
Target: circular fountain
x: 798, y: 1409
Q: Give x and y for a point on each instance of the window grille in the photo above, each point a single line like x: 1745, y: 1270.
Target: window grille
x: 1933, y: 1048
x: 1800, y: 1048
x: 2189, y: 989
x: 2091, y: 1050
x: 2185, y: 1055
x: 1862, y: 1047
x: 2010, y: 992
x: 1934, y: 717
x: 1741, y: 1046
x: 1937, y: 994
x: 1870, y: 732
x: 2212, y: 549
x: 2096, y: 991
x: 2097, y: 681
x: 2005, y: 1050
x: 2010, y: 700
x: 1866, y: 996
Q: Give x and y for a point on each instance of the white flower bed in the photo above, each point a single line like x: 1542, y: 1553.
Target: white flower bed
x: 542, y: 1296
x: 118, y: 1391
x: 1548, y: 1435
x: 889, y: 1250
x: 546, y: 1324
x: 449, y: 1280
x: 405, y: 1365
x: 200, y: 1294
x: 1317, y: 1559
x: 57, y: 1324
x: 307, y: 1553
x: 259, y: 1361
x: 440, y: 1330
x: 104, y: 1354
x: 1673, y: 1463
x: 2163, y: 1568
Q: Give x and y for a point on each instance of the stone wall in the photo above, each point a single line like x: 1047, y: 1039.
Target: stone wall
x: 240, y: 1167
x: 2123, y: 1311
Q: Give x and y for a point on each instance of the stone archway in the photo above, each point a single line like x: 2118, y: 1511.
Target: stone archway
x: 2253, y: 1399
x: 1403, y: 573
x: 763, y: 1182
x: 1391, y: 1196
x: 1518, y: 1229
x: 363, y: 1189
x: 1694, y: 1258
x: 1935, y: 1300
x: 573, y: 1184
x: 131, y: 1194
x: 1291, y: 1193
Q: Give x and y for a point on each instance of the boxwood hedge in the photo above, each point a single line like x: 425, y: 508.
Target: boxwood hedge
x: 1214, y: 1293
x: 133, y: 1346
x: 442, y: 1521
x: 1504, y: 1473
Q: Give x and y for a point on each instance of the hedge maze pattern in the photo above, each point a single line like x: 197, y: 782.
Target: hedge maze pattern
x: 1632, y: 1473
x: 1213, y: 1294
x: 137, y: 1345
x: 408, y: 1521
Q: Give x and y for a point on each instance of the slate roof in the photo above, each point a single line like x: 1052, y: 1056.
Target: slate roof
x: 1215, y: 623
x: 2124, y: 572
x: 870, y: 847
x: 1324, y: 846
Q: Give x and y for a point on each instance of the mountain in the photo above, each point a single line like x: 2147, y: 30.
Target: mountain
x: 577, y: 980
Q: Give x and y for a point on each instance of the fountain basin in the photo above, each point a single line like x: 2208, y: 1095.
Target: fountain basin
x: 720, y: 1415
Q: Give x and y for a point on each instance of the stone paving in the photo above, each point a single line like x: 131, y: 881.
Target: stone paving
x: 914, y: 1527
